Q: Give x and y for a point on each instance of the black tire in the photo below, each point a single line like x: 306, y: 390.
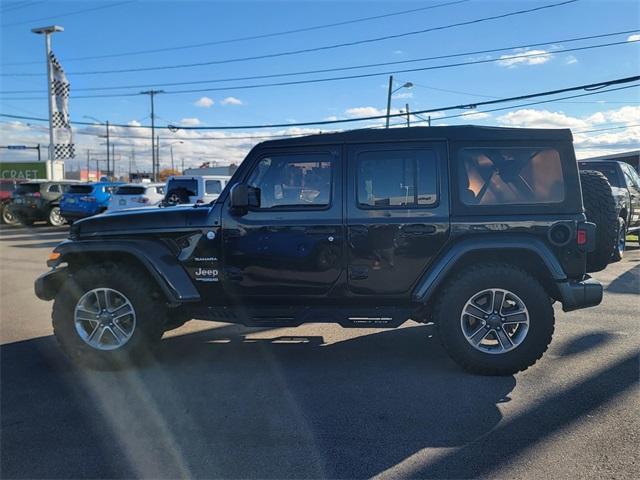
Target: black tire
x: 621, y: 241
x: 463, y: 286
x: 54, y: 217
x: 6, y: 216
x: 149, y: 307
x: 600, y: 208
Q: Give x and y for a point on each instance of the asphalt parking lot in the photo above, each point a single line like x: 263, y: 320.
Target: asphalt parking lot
x: 319, y: 401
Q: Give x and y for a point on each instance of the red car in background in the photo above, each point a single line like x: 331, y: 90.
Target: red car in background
x: 7, y: 186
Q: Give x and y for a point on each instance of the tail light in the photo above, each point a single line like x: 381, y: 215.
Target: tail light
x: 36, y: 195
x: 88, y: 199
x: 581, y: 237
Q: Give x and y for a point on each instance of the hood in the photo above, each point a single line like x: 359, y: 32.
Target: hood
x: 145, y: 221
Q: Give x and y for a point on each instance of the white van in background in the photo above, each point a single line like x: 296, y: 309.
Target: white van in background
x: 187, y: 189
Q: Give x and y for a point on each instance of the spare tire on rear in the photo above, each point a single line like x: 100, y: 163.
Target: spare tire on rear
x: 600, y: 208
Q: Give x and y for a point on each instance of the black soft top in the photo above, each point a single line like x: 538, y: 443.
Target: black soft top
x: 454, y: 133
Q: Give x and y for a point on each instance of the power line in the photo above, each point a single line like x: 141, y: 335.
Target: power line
x: 77, y: 12
x: 593, y: 88
x: 610, y: 128
x: 18, y: 6
x: 345, y: 77
x: 315, y: 49
x: 255, y: 37
x: 353, y: 67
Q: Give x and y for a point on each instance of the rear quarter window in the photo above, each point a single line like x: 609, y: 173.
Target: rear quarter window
x: 130, y: 190
x: 80, y: 189
x: 510, y: 176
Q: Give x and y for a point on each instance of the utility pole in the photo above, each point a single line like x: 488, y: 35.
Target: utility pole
x: 171, y: 149
x: 107, y: 125
x: 182, y: 160
x: 389, y: 93
x: 88, y: 163
x: 47, y: 31
x: 132, y: 159
x: 113, y: 162
x: 408, y: 114
x: 152, y: 94
x: 157, y: 157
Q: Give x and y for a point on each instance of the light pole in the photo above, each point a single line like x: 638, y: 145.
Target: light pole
x: 390, y: 92
x: 152, y: 94
x: 171, y: 150
x: 106, y: 124
x: 47, y: 31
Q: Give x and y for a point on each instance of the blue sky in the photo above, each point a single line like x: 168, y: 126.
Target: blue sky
x: 143, y: 25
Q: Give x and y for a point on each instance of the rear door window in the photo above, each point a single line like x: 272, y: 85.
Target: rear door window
x: 81, y: 189
x: 403, y: 178
x: 28, y: 188
x: 609, y: 171
x: 510, y: 176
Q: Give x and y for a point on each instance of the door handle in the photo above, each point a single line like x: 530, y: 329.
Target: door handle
x: 419, y: 228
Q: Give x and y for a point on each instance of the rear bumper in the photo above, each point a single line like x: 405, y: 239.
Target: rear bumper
x: 47, y: 285
x: 580, y: 294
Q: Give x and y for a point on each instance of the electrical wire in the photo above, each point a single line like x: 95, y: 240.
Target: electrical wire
x: 345, y: 77
x: 18, y: 6
x: 253, y: 37
x: 78, y: 12
x: 353, y: 67
x: 599, y: 85
x: 314, y: 49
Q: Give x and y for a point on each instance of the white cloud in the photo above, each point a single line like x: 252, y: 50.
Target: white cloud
x: 570, y: 60
x: 476, y: 115
x: 134, y: 123
x: 331, y: 118
x: 231, y: 101
x: 633, y: 38
x: 403, y: 95
x: 190, y: 122
x: 204, y: 102
x: 357, y: 112
x: 398, y: 52
x: 524, y: 57
x: 533, y: 118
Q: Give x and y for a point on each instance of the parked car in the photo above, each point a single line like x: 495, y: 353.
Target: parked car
x: 625, y: 187
x: 134, y: 195
x: 476, y: 229
x: 87, y: 199
x: 39, y: 200
x: 194, y: 189
x: 7, y: 187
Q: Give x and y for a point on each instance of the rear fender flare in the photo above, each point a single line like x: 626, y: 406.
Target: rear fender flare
x: 438, y: 271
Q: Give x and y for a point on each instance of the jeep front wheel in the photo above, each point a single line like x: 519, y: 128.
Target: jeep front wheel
x: 494, y: 319
x: 106, y: 315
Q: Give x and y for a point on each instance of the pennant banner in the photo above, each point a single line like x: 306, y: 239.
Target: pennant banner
x: 62, y: 135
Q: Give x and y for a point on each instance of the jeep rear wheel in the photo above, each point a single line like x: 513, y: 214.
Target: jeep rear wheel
x: 621, y: 240
x: 600, y: 208
x: 494, y: 319
x: 108, y: 315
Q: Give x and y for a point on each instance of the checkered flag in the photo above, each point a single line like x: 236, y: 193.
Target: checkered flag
x: 62, y: 135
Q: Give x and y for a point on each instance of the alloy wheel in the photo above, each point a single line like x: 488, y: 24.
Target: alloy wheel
x: 104, y: 318
x: 494, y: 321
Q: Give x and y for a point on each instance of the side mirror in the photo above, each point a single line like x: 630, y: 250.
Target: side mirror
x: 239, y: 196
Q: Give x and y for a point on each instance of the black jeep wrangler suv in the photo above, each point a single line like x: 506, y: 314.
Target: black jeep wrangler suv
x: 477, y: 229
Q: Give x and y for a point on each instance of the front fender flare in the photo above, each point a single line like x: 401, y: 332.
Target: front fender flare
x: 438, y: 271
x: 154, y: 256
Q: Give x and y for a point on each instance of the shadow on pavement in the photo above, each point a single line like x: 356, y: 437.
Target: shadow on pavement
x: 219, y: 405
x: 585, y: 343
x: 627, y: 283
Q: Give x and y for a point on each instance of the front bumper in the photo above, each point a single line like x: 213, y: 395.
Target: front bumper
x: 47, y: 285
x: 580, y: 294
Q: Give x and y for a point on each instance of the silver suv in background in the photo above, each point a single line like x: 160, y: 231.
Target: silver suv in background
x: 187, y: 189
x: 135, y: 195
